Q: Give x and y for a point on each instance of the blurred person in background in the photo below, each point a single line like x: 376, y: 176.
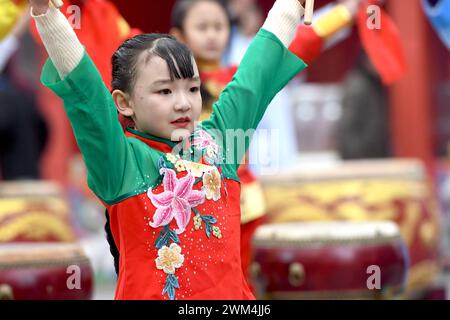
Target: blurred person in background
x: 246, y: 19
x: 23, y: 132
x: 363, y: 129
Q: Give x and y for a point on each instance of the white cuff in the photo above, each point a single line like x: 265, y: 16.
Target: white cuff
x: 283, y: 20
x: 61, y: 42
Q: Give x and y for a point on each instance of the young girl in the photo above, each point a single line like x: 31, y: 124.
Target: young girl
x: 173, y: 204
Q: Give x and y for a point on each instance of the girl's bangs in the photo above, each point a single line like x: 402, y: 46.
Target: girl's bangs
x: 178, y: 57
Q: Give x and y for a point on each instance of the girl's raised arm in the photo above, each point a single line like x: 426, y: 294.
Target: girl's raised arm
x: 60, y: 41
x: 72, y: 75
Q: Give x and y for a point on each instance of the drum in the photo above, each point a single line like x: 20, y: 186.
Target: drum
x: 329, y: 260
x: 44, y: 271
x: 34, y: 211
x: 395, y: 190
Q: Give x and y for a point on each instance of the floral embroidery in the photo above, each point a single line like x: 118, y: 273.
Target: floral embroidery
x: 211, y: 184
x: 169, y: 258
x: 197, y: 222
x: 165, y: 236
x: 197, y: 169
x: 208, y: 220
x: 176, y: 201
x: 179, y: 166
x: 172, y: 158
x: 217, y: 233
x: 174, y: 162
x: 170, y: 286
x: 211, y: 152
x: 203, y: 140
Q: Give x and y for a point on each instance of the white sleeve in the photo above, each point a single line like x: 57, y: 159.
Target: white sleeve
x: 283, y: 20
x: 61, y: 42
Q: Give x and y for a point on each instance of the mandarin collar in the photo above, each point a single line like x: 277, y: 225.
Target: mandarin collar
x: 154, y: 142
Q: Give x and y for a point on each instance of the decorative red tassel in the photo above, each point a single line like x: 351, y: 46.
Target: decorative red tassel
x: 383, y: 46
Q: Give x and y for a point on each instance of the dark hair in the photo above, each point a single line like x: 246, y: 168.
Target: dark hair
x: 181, y: 9
x: 112, y: 245
x: 124, y: 61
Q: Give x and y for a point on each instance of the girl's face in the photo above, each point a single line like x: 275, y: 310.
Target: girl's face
x: 162, y: 107
x: 206, y: 30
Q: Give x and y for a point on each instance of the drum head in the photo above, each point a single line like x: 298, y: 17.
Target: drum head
x: 337, y: 232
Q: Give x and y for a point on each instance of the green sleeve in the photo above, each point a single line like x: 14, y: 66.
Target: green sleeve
x: 93, y: 117
x: 266, y: 68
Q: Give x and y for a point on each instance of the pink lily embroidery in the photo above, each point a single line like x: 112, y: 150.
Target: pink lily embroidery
x: 176, y: 201
x: 204, y: 140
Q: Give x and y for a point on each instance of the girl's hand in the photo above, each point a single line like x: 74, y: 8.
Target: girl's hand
x: 39, y: 6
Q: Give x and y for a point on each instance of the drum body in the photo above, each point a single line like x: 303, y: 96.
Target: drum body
x: 341, y: 260
x: 394, y: 190
x: 34, y: 212
x: 39, y: 255
x: 41, y: 271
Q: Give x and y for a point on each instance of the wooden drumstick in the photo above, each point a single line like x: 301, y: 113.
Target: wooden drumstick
x: 309, y: 9
x: 57, y: 3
